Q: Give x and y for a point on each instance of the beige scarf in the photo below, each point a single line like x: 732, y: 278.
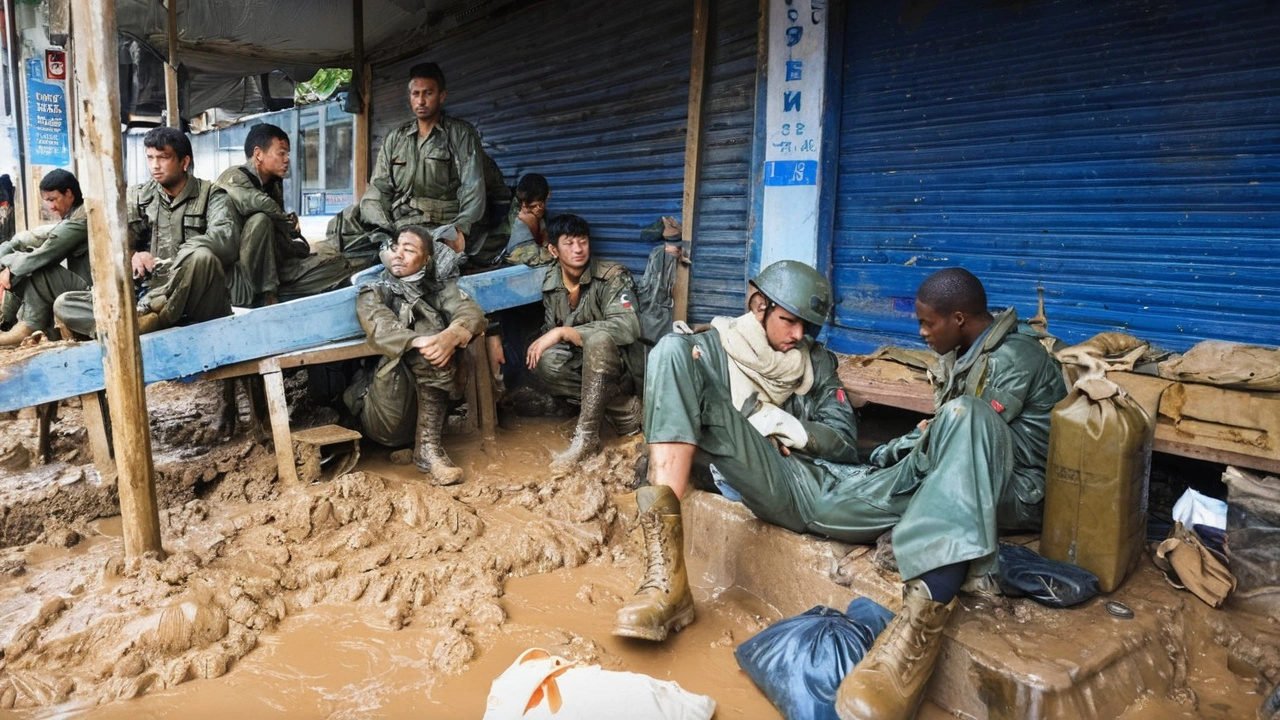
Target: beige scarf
x: 757, y: 368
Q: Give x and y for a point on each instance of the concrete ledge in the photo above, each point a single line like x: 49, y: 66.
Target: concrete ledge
x: 1001, y: 659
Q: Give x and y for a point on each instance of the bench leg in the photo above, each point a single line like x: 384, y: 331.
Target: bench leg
x: 45, y: 415
x: 486, y: 402
x: 278, y: 407
x: 99, y: 441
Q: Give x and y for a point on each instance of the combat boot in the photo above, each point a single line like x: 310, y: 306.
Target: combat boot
x: 428, y: 454
x: 626, y: 415
x: 16, y: 334
x: 663, y: 604
x: 149, y: 322
x: 586, y: 436
x: 888, y: 683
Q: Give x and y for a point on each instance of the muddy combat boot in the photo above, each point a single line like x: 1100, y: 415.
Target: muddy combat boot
x: 149, y: 322
x: 16, y: 334
x: 888, y: 683
x: 626, y: 415
x: 663, y: 604
x: 586, y: 436
x: 428, y: 455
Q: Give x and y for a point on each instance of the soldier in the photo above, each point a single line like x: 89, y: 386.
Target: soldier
x: 527, y: 242
x: 417, y: 323
x: 589, y: 324
x: 30, y: 263
x: 181, y: 242
x: 429, y: 172
x: 274, y: 259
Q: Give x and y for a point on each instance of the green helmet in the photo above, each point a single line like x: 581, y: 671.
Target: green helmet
x: 796, y: 288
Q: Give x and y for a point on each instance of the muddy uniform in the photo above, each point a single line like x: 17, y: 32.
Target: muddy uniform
x: 393, y: 313
x: 605, y: 318
x: 432, y: 181
x: 193, y: 242
x: 273, y: 259
x: 34, y: 259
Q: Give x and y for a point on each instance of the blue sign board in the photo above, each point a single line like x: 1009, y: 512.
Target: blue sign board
x: 48, y: 138
x: 791, y: 172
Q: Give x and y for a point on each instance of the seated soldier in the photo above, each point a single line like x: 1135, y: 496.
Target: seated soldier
x: 31, y: 271
x: 527, y: 243
x: 589, y: 322
x: 181, y: 243
x: 417, y: 323
x: 274, y: 259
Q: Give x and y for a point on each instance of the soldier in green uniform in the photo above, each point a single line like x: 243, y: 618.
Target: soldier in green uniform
x: 589, y: 324
x: 417, y: 323
x: 31, y: 263
x: 429, y: 172
x: 181, y: 242
x: 274, y: 260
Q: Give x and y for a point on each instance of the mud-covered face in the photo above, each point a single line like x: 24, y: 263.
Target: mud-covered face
x: 58, y: 202
x: 942, y: 332
x: 573, y: 251
x: 407, y: 256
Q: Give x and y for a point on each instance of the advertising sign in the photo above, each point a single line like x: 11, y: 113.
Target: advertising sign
x: 48, y: 137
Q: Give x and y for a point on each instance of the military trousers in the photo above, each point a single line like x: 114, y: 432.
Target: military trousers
x: 262, y: 270
x: 386, y: 399
x: 560, y: 368
x: 195, y: 290
x: 944, y: 501
x: 38, y: 291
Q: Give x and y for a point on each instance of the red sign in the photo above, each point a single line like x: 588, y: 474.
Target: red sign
x: 55, y: 64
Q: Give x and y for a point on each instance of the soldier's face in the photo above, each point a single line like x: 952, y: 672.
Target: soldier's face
x: 408, y: 255
x: 942, y: 332
x: 274, y: 162
x: 426, y: 98
x: 166, y: 168
x: 573, y: 251
x: 782, y: 328
x: 57, y: 202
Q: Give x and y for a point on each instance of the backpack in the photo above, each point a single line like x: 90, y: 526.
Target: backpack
x: 655, y: 294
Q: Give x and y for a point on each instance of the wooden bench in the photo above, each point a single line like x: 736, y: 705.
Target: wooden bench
x: 1231, y: 427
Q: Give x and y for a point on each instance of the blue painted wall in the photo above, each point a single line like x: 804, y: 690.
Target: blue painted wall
x: 1124, y: 155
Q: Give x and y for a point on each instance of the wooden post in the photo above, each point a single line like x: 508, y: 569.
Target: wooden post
x: 171, y: 69
x: 98, y: 80
x: 692, y: 150
x: 361, y: 84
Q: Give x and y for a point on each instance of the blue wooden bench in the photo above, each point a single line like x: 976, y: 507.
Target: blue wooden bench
x: 263, y: 341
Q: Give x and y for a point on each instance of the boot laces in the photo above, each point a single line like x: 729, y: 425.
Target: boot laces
x: 656, y: 575
x: 908, y: 642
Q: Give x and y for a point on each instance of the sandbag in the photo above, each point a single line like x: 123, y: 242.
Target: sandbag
x: 542, y: 686
x: 799, y: 662
x: 1189, y: 565
x: 1023, y: 573
x: 1226, y: 364
x: 1253, y: 532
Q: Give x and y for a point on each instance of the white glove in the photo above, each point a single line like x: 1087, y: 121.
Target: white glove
x: 772, y: 421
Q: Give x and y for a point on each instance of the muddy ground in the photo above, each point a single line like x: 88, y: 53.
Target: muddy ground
x: 372, y: 594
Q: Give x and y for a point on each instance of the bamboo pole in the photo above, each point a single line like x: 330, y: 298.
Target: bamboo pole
x: 361, y: 85
x: 98, y: 80
x: 171, y: 69
x: 692, y: 151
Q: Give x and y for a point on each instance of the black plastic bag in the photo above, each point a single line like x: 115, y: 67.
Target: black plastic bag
x: 800, y: 661
x: 1048, y: 582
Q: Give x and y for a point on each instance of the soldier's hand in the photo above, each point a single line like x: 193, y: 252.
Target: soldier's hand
x: 540, y: 346
x: 6, y: 281
x: 437, y: 349
x: 143, y: 263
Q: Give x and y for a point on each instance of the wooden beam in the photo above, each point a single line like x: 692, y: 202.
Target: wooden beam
x: 692, y: 150
x: 174, y: 119
x: 98, y: 79
x: 361, y: 84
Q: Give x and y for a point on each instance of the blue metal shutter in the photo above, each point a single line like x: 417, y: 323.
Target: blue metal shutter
x: 719, y: 279
x: 593, y: 96
x: 1122, y: 154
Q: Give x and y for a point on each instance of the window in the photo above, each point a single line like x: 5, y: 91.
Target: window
x: 337, y: 155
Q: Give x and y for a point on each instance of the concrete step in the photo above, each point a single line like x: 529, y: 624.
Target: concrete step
x: 1005, y: 658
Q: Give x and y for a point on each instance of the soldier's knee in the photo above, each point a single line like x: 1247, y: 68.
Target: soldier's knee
x: 671, y: 350
x: 967, y: 409
x: 203, y: 257
x: 256, y: 224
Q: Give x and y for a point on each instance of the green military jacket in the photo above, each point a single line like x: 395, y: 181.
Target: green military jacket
x: 438, y: 179
x: 1009, y: 368
x: 393, y: 312
x: 199, y: 215
x: 36, y: 249
x: 247, y: 195
x: 606, y: 302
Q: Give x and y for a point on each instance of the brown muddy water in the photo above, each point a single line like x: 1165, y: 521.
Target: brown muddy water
x: 378, y: 596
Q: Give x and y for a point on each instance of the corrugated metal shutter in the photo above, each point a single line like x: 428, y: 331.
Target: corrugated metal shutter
x: 720, y: 232
x: 1125, y: 155
x: 593, y: 96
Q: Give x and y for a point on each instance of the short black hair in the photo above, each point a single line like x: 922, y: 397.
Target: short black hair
x: 567, y: 225
x: 162, y: 138
x: 60, y: 180
x: 428, y: 71
x: 532, y: 188
x: 423, y: 233
x: 953, y: 289
x: 261, y: 136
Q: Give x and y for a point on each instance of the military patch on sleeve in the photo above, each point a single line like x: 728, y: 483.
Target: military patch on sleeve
x: 625, y: 300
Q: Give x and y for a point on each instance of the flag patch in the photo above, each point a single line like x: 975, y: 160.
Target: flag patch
x: 626, y: 301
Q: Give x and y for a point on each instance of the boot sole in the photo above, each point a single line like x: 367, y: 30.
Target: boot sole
x: 678, y: 622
